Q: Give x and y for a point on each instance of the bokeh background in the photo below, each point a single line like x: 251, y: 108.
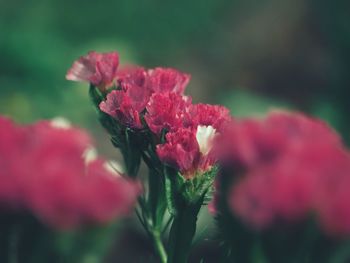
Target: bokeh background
x: 249, y: 55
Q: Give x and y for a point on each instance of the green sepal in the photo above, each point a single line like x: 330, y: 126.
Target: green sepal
x: 96, y: 96
x: 130, y: 149
x: 199, y: 186
x: 180, y: 190
x: 173, y: 189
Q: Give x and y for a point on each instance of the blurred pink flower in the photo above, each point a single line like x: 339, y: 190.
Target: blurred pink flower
x: 100, y: 69
x: 43, y: 171
x: 287, y: 167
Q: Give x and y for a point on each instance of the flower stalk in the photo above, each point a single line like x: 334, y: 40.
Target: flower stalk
x: 182, y: 232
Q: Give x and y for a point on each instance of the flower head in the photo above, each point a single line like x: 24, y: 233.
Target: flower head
x: 188, y: 150
x: 133, y: 76
x: 166, y: 111
x: 164, y: 80
x: 206, y: 114
x: 54, y: 181
x: 100, y: 69
x: 281, y: 164
x: 126, y: 106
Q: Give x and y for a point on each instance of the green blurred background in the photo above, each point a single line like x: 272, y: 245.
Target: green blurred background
x: 246, y: 54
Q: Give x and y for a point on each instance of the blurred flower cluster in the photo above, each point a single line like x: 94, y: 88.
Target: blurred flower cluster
x: 281, y: 172
x: 59, y: 179
x: 52, y: 181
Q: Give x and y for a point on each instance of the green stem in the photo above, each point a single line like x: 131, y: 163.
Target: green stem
x: 153, y: 231
x: 157, y: 206
x: 159, y: 247
x: 182, y: 232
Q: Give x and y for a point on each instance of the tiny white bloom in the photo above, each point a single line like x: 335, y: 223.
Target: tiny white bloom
x: 205, y: 136
x: 60, y: 123
x: 90, y: 155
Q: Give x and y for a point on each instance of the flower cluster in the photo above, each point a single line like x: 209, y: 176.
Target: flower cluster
x: 190, y: 144
x: 287, y: 167
x: 56, y: 180
x: 149, y: 118
x: 154, y: 99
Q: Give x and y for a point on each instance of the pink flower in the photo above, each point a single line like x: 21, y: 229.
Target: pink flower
x: 65, y: 200
x: 206, y: 114
x: 133, y: 76
x: 188, y: 150
x: 283, y: 165
x: 126, y: 106
x: 100, y: 69
x: 43, y: 171
x: 166, y: 111
x: 164, y: 80
x: 249, y: 142
x: 251, y: 199
x: 181, y: 151
x: 107, y: 194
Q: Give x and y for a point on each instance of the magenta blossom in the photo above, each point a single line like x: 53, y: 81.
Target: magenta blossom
x: 284, y: 166
x: 207, y: 114
x: 126, y: 107
x: 56, y: 180
x: 192, y: 132
x: 164, y: 80
x: 133, y: 76
x: 100, y: 69
x: 166, y: 111
x: 128, y: 103
x: 189, y: 150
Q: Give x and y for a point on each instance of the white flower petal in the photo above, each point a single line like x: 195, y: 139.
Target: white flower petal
x: 205, y: 136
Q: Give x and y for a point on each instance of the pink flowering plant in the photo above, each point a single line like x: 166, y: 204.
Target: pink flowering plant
x: 280, y: 190
x: 277, y: 187
x: 60, y: 194
x: 149, y: 119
